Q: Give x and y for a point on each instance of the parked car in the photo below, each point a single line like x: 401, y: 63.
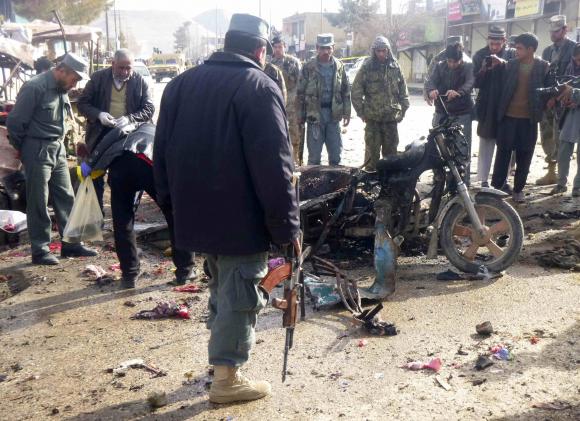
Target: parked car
x: 141, y: 69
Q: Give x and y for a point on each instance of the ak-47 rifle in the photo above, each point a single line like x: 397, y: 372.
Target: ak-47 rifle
x: 289, y: 274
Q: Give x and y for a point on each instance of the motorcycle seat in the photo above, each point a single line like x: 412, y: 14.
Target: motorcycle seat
x: 405, y: 160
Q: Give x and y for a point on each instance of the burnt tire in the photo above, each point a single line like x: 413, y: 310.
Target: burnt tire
x: 513, y: 245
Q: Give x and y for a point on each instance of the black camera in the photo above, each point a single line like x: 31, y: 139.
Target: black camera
x: 488, y: 61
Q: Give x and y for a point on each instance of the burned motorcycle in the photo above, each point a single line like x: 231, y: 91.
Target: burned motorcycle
x: 475, y: 228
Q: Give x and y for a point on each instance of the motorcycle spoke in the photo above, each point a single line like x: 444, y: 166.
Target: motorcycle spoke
x: 500, y: 227
x: 494, y: 249
x: 462, y: 231
x: 471, y: 251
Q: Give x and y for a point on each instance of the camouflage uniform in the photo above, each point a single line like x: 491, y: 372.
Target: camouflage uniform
x: 290, y: 67
x: 380, y: 98
x: 276, y: 75
x: 323, y: 122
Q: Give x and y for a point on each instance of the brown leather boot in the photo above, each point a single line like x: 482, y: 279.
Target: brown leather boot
x: 550, y: 177
x: 230, y: 386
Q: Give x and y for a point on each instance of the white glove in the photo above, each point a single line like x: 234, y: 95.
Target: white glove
x: 122, y: 122
x: 106, y: 119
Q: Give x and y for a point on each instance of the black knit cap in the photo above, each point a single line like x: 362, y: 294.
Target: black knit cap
x: 496, y: 32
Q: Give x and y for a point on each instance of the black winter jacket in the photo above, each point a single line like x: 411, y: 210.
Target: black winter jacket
x: 222, y: 157
x: 96, y: 97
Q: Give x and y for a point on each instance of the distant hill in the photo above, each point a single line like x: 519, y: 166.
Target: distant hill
x: 155, y: 28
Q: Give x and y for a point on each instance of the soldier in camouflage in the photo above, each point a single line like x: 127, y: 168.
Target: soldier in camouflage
x: 380, y: 98
x: 323, y: 100
x: 277, y: 76
x: 290, y: 67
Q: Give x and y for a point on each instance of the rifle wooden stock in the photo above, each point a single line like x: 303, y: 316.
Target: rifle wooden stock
x: 289, y: 315
x: 275, y: 277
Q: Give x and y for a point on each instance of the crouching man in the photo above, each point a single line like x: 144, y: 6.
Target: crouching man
x: 129, y: 160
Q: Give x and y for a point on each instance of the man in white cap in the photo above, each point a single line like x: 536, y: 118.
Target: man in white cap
x: 36, y: 128
x: 558, y: 55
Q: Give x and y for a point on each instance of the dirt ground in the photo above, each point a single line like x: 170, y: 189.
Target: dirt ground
x: 61, y: 332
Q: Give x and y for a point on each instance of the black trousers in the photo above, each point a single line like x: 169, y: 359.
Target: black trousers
x: 128, y: 175
x: 514, y: 134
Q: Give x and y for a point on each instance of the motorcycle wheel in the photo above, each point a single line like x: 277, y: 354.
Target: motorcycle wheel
x: 497, y: 249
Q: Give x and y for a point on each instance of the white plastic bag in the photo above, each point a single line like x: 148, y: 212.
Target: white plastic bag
x: 86, y: 218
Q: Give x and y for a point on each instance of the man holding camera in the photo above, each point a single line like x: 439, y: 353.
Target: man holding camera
x: 484, y: 106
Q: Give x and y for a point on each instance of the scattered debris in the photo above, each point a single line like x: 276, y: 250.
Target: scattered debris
x: 500, y: 352
x: 379, y: 376
x: 55, y: 411
x: 362, y: 342
x: 443, y: 382
x: 164, y: 309
x: 187, y: 288
x: 3, y: 377
x: 115, y: 267
x: 157, y: 399
x: 552, y: 406
x: 129, y: 303
x: 460, y: 351
x: 55, y: 246
x: 435, y: 365
x: 122, y: 369
x: 482, y: 275
x: 323, y: 294
x: 483, y: 362
x: 371, y: 322
x: 534, y: 340
x: 566, y: 256
x: 16, y: 367
x: 484, y: 328
x: 5, y: 278
x: 94, y: 270
x: 478, y: 382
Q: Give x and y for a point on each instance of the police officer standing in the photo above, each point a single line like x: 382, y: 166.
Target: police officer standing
x: 290, y: 67
x: 558, y: 55
x: 36, y: 128
x: 223, y: 159
x: 381, y: 99
x: 323, y: 100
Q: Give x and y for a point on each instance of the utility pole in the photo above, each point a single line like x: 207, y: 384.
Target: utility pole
x: 321, y: 16
x: 115, y: 21
x: 217, y: 42
x: 107, y: 45
x: 389, y: 13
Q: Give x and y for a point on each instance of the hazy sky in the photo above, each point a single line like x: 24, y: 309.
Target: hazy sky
x: 277, y: 9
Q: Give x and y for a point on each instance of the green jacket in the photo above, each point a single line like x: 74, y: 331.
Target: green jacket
x: 379, y: 92
x: 310, y: 91
x: 39, y: 111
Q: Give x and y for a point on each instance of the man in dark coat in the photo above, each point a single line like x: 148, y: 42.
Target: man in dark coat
x: 114, y: 97
x: 453, y: 79
x: 558, y: 55
x: 485, y: 107
x: 224, y: 159
x: 519, y: 111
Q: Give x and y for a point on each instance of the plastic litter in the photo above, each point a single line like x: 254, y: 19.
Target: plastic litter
x: 323, y: 294
x: 12, y: 221
x: 94, y: 270
x: 502, y: 354
x: 86, y: 218
x: 122, y: 369
x: 275, y: 262
x: 435, y: 365
x: 164, y: 309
